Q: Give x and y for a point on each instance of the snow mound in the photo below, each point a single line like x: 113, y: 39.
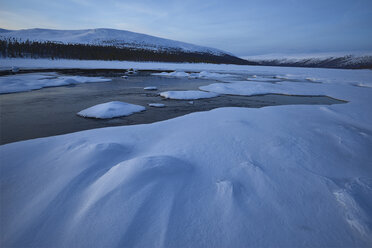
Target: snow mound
x: 187, y: 94
x: 157, y: 105
x: 35, y: 81
x: 150, y: 88
x: 111, y: 110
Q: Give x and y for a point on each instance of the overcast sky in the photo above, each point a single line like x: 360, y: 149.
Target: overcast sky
x: 243, y: 27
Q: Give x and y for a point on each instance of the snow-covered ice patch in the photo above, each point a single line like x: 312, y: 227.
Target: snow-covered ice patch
x: 172, y: 74
x: 248, y: 88
x: 111, y: 110
x: 157, y: 105
x: 264, y: 79
x: 210, y: 75
x: 363, y: 85
x: 150, y: 88
x: 35, y: 81
x: 187, y: 94
x: 201, y: 75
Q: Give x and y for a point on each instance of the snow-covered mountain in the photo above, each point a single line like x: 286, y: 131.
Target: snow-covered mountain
x: 329, y: 60
x: 106, y: 37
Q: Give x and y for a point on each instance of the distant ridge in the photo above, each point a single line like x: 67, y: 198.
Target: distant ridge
x: 105, y: 37
x: 106, y: 44
x: 339, y: 60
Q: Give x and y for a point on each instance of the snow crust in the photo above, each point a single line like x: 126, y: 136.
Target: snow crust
x: 281, y: 176
x: 187, y: 94
x: 111, y: 109
x: 34, y: 81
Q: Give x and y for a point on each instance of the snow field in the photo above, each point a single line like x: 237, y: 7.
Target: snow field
x: 282, y: 176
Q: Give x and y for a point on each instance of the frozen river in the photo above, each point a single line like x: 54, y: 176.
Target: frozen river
x: 52, y: 111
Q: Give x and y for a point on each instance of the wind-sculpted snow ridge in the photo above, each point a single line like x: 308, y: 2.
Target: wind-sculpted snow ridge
x: 283, y: 176
x: 35, y: 81
x: 111, y: 110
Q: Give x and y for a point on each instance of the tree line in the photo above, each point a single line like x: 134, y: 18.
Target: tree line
x: 13, y: 48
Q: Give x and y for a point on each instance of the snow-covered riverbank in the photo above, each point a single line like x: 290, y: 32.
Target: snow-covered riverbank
x: 287, y: 176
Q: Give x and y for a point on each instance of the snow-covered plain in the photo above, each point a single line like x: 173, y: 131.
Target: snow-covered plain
x: 35, y: 81
x: 111, y: 110
x: 283, y: 176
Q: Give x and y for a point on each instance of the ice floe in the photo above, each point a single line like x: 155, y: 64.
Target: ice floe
x: 172, y: 74
x: 248, y: 88
x: 187, y: 94
x: 150, y: 88
x: 157, y: 105
x: 201, y: 75
x: 34, y: 81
